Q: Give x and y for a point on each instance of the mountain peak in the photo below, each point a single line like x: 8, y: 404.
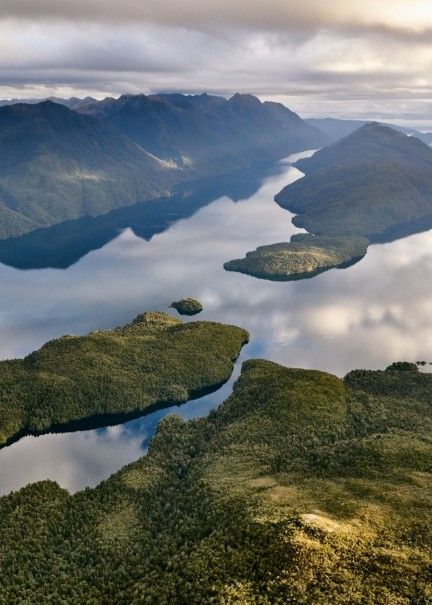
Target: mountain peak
x: 245, y: 100
x: 368, y: 183
x: 370, y: 144
x: 377, y: 129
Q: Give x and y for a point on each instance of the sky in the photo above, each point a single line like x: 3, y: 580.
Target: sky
x: 367, y: 59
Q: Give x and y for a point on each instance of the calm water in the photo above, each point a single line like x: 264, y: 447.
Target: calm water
x: 367, y: 315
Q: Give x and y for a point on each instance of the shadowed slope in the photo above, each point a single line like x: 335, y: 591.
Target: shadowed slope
x: 204, y: 135
x: 58, y: 165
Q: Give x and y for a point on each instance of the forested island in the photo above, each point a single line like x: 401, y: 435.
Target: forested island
x: 304, y: 256
x: 187, y: 306
x: 300, y: 488
x: 154, y: 360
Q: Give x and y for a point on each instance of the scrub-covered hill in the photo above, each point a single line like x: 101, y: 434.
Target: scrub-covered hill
x: 154, y: 360
x: 300, y: 488
x: 304, y: 256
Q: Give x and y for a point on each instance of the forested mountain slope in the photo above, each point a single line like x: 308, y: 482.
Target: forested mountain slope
x: 300, y: 488
x: 371, y: 181
x: 58, y: 164
x: 206, y: 135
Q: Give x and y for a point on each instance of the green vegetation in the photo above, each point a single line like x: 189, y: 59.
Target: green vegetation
x: 154, y: 360
x: 59, y: 165
x: 304, y: 256
x: 187, y: 306
x: 300, y: 489
x: 368, y: 183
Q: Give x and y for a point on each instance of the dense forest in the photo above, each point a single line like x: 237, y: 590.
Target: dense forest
x: 300, y: 489
x: 156, y: 359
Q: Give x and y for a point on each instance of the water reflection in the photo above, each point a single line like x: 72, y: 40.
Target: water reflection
x: 367, y: 315
x: 60, y: 246
x: 84, y: 458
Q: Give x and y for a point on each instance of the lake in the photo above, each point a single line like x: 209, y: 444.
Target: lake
x: 100, y: 273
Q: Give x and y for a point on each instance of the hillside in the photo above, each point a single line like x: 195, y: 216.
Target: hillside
x: 300, y: 488
x: 304, y: 256
x: 58, y: 165
x: 373, y: 180
x: 206, y: 135
x: 155, y: 360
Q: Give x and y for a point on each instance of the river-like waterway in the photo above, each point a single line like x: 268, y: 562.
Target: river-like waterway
x: 100, y: 273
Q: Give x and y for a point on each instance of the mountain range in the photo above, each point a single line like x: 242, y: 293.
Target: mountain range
x: 60, y: 164
x: 204, y: 135
x: 71, y: 102
x: 368, y: 183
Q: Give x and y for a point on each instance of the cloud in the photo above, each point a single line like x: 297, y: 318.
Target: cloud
x: 370, y: 59
x: 401, y: 15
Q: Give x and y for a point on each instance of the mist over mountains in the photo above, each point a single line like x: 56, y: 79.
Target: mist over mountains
x: 69, y: 158
x: 63, y: 161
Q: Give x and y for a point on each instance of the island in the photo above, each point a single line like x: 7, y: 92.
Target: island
x: 94, y: 380
x: 187, y: 306
x: 300, y: 488
x: 304, y: 256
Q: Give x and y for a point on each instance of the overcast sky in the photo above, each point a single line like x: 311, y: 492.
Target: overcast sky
x: 348, y: 58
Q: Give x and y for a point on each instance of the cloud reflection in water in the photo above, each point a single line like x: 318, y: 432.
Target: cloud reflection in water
x: 367, y: 315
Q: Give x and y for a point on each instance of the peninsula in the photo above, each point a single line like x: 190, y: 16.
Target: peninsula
x: 304, y: 256
x: 300, y: 488
x: 155, y: 360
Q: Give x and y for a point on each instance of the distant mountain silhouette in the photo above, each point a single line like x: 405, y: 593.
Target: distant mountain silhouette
x: 337, y: 129
x: 369, y: 183
x: 72, y: 102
